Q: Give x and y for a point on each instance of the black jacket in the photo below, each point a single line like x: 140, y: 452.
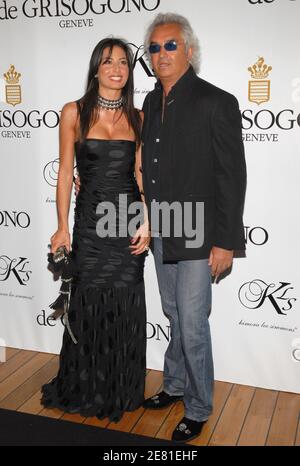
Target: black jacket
x: 201, y: 159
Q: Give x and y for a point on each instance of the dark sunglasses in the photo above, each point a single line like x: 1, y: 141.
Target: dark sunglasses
x: 169, y: 46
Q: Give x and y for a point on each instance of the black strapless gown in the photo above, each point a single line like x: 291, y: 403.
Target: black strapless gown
x: 104, y: 373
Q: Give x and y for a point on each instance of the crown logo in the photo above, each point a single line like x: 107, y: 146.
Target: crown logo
x: 259, y: 90
x: 260, y: 70
x: 12, y: 88
x: 12, y: 76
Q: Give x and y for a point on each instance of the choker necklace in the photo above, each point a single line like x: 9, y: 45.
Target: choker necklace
x: 109, y: 104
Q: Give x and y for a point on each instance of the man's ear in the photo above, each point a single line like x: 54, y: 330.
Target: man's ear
x: 190, y: 53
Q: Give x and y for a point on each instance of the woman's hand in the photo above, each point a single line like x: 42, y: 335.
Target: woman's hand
x: 141, y: 240
x: 60, y: 238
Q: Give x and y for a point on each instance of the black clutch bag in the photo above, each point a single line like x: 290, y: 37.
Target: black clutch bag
x: 61, y: 262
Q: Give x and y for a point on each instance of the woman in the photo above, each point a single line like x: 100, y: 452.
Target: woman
x: 103, y: 373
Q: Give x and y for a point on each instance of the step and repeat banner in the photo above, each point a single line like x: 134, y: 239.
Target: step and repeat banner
x: 248, y: 47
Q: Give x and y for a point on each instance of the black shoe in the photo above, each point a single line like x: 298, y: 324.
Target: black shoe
x: 187, y: 429
x: 161, y: 400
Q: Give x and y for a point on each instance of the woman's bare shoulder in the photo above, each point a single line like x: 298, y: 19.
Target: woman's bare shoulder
x: 70, y: 108
x: 69, y: 112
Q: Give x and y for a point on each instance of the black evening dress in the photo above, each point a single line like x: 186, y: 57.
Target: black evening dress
x: 104, y: 373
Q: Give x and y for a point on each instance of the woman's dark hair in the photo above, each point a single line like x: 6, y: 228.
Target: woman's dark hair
x: 88, y: 103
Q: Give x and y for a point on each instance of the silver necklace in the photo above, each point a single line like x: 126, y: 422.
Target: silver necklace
x: 108, y: 104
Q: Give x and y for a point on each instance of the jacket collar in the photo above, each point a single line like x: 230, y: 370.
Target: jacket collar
x: 182, y: 84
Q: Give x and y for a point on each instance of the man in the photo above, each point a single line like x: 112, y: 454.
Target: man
x: 192, y: 152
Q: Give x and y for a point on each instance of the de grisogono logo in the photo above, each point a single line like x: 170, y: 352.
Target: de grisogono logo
x: 157, y: 332
x: 264, y: 2
x: 256, y: 235
x: 73, y: 13
x: 154, y: 331
x: 268, y: 124
x: 260, y: 2
x: 18, y: 123
x: 14, y: 219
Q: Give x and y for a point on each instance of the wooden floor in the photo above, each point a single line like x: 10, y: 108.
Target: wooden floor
x: 242, y: 415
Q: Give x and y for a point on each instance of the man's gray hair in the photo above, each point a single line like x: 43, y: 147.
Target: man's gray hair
x: 189, y: 36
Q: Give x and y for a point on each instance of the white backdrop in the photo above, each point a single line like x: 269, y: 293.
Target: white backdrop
x: 255, y: 319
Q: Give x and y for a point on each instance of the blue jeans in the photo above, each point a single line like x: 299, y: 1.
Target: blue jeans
x: 185, y: 290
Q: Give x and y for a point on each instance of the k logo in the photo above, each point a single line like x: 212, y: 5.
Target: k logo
x: 140, y: 56
x: 253, y: 295
x: 15, y: 267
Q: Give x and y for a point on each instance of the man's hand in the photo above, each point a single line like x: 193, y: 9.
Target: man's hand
x: 76, y: 180
x: 219, y: 260
x: 140, y: 241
